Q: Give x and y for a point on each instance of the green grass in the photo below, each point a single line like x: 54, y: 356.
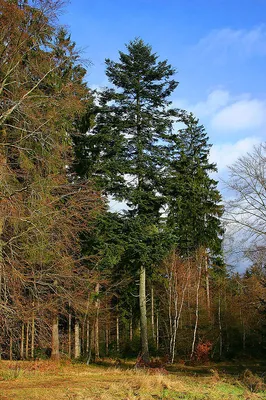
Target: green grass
x: 65, y: 381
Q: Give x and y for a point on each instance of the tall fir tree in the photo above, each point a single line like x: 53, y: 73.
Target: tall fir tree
x: 127, y: 152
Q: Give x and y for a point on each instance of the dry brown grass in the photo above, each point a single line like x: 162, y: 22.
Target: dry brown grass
x: 63, y: 381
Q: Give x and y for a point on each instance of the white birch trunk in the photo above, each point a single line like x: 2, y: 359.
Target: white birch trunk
x: 196, y: 312
x: 77, y: 339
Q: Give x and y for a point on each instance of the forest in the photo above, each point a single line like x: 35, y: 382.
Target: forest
x: 113, y: 229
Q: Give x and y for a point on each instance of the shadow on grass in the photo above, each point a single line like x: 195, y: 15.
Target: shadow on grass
x: 235, y: 368
x: 229, y: 368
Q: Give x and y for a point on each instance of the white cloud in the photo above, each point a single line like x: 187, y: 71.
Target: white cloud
x: 231, y: 42
x: 224, y: 113
x: 215, y: 100
x: 226, y: 154
x: 240, y: 115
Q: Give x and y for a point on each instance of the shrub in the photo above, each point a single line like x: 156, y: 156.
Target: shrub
x: 252, y: 381
x: 202, y: 352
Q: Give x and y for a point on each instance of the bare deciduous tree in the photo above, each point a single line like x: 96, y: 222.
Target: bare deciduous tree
x: 247, y: 181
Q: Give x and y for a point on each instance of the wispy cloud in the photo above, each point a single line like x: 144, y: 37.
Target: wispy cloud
x: 229, y: 42
x: 226, y: 154
x: 208, y: 107
x: 241, y: 116
x: 236, y: 122
x: 229, y: 114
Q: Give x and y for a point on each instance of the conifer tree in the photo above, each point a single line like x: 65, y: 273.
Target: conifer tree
x: 194, y: 206
x: 127, y: 151
x: 194, y: 201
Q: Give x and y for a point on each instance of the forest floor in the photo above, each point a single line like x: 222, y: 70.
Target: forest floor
x: 46, y: 380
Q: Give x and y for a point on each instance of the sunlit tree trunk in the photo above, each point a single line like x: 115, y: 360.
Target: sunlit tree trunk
x: 55, y: 355
x: 197, y: 310
x: 88, y: 337
x: 207, y: 287
x: 143, y: 315
x: 83, y: 337
x: 152, y: 314
x: 32, y: 334
x: 178, y: 313
x: 77, y: 339
x: 170, y: 277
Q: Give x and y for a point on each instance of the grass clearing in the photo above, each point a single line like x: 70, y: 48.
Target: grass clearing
x: 65, y: 381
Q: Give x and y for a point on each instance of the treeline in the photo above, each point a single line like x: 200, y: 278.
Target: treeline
x: 110, y: 220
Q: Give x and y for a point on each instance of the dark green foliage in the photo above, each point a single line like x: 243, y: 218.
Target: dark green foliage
x: 128, y: 148
x: 194, y: 200
x: 123, y: 146
x: 127, y: 141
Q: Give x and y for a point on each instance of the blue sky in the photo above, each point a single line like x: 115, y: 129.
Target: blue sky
x: 217, y: 46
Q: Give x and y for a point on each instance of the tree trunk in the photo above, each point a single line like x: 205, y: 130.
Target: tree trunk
x: 196, y: 312
x: 117, y: 333
x: 32, y: 334
x: 96, y: 333
x: 178, y: 315
x: 69, y: 334
x: 106, y: 338
x: 1, y: 271
x: 77, y: 339
x: 83, y: 337
x: 152, y: 314
x: 131, y: 326
x: 1, y: 256
x: 220, y: 327
x: 11, y: 348
x: 92, y: 338
x: 55, y: 340
x: 174, y: 327
x: 22, y: 341
x: 170, y: 335
x: 88, y: 337
x: 27, y: 340
x: 143, y: 316
x: 207, y: 287
x: 157, y: 330
x: 1, y: 266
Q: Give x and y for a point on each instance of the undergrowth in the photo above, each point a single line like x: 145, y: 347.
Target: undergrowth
x: 63, y: 381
